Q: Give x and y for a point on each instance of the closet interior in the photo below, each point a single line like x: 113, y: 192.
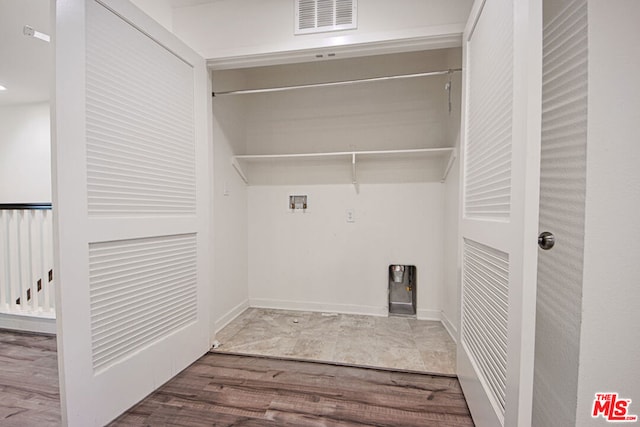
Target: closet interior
x: 328, y: 172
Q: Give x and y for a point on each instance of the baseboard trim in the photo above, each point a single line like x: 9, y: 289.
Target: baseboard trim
x: 448, y: 325
x: 318, y: 306
x: 426, y: 314
x: 230, y: 315
x: 26, y: 323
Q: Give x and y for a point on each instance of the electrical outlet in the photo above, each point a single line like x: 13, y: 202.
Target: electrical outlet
x: 351, y: 216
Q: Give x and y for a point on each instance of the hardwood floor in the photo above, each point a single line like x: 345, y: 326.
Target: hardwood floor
x: 232, y: 390
x: 29, y: 393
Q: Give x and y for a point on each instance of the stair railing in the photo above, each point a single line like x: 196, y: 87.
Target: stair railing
x: 27, y: 284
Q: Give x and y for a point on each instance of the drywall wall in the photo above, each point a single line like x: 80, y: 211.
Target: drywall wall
x: 610, y: 338
x: 160, y: 10
x: 229, y: 283
x: 562, y: 205
x: 229, y: 28
x: 316, y: 260
x: 450, y: 296
x: 396, y: 114
x: 25, y: 153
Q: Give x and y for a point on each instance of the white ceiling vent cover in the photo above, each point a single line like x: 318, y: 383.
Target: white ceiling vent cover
x: 317, y: 16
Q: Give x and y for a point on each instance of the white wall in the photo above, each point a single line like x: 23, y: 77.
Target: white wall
x: 160, y: 10
x: 450, y: 298
x: 610, y: 337
x: 230, y: 283
x: 227, y: 28
x: 409, y: 113
x: 318, y: 261
x: 25, y: 153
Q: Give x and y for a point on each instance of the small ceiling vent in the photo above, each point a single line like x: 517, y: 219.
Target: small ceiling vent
x: 318, y: 16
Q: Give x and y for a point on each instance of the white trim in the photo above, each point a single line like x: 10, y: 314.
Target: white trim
x: 229, y: 316
x: 28, y: 323
x: 429, y: 314
x: 237, y: 161
x: 451, y: 329
x: 343, y: 153
x: 318, y: 306
x: 438, y: 37
x: 476, y: 11
x: 452, y: 158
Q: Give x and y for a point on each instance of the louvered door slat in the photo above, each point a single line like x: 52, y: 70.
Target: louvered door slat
x: 485, y: 308
x: 139, y: 298
x: 487, y: 181
x: 140, y: 117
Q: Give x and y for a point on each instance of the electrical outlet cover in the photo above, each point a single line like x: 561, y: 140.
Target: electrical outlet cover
x: 351, y: 216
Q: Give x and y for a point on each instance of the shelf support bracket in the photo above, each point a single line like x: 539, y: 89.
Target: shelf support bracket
x: 452, y: 158
x: 238, y: 168
x: 354, y: 177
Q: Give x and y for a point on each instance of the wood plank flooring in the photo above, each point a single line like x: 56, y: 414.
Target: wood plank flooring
x: 233, y: 390
x: 29, y: 393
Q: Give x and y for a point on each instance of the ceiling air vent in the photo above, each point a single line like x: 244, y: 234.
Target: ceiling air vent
x: 317, y: 16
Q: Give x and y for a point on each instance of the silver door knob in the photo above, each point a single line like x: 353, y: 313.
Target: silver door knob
x: 546, y: 240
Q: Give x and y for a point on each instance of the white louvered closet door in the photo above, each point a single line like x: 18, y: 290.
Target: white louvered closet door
x: 131, y: 196
x: 499, y: 215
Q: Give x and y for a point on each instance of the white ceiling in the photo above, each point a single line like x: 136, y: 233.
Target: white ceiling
x: 25, y: 62
x: 185, y: 3
x: 26, y: 65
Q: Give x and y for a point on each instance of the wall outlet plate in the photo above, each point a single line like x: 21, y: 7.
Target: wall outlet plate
x: 351, y: 215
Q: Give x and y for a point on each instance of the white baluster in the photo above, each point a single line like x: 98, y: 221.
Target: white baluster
x: 26, y: 257
x: 47, y: 245
x: 30, y: 304
x: 23, y: 282
x: 52, y: 284
x: 5, y: 277
x: 14, y: 266
x: 42, y: 264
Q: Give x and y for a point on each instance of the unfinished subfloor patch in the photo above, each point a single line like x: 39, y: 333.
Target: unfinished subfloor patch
x: 386, y: 342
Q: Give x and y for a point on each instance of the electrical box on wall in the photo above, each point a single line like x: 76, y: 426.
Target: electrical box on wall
x: 297, y: 202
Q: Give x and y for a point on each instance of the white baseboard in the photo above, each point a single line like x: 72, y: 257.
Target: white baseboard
x: 426, y: 314
x: 23, y: 322
x: 448, y: 325
x: 228, y: 317
x: 318, y: 306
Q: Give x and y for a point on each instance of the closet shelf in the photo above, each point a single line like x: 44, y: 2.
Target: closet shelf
x: 240, y: 161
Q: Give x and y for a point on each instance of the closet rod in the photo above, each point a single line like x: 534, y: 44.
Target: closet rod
x: 345, y: 82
